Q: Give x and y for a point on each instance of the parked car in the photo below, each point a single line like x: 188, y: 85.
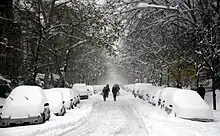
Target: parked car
x: 186, y: 104
x: 56, y: 101
x: 2, y: 101
x: 90, y: 90
x: 67, y: 95
x: 140, y: 90
x: 83, y: 92
x: 25, y: 105
x: 76, y: 96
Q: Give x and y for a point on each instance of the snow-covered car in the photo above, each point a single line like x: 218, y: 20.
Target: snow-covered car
x: 2, y: 101
x: 141, y: 89
x: 67, y: 96
x: 56, y: 101
x: 186, y: 104
x: 90, y: 90
x: 155, y: 98
x: 76, y: 95
x: 25, y: 105
x: 83, y: 92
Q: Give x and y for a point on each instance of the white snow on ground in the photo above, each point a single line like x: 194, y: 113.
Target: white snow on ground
x: 128, y: 116
x: 160, y: 123
x: 56, y: 125
x: 111, y: 118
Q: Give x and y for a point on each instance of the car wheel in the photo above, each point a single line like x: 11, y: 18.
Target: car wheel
x: 63, y: 111
x: 72, y: 106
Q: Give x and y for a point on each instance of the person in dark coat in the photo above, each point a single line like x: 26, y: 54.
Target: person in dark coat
x: 105, y: 92
x: 201, y: 91
x: 115, y: 91
x: 108, y: 90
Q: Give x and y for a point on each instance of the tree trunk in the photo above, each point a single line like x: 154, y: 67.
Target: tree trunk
x: 213, y: 90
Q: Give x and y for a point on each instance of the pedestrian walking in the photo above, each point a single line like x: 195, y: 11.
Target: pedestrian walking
x: 108, y: 90
x: 105, y: 92
x: 115, y: 91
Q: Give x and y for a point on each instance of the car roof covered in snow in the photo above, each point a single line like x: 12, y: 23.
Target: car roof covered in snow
x: 67, y: 93
x: 53, y: 96
x: 22, y: 98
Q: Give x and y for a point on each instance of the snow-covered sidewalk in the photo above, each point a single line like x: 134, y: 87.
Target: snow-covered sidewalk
x: 159, y: 123
x: 57, y: 124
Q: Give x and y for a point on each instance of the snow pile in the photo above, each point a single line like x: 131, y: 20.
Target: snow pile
x: 22, y: 98
x: 159, y: 123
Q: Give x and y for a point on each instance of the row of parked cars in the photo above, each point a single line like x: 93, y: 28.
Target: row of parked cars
x: 182, y: 103
x: 34, y: 105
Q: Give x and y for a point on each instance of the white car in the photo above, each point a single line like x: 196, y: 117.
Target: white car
x: 56, y: 101
x: 90, y: 90
x: 186, y: 104
x: 2, y: 101
x: 83, y: 92
x: 67, y: 95
x: 140, y: 90
x: 25, y: 105
x: 76, y: 95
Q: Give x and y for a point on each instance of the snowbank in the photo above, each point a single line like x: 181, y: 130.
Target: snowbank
x: 158, y: 123
x: 22, y: 98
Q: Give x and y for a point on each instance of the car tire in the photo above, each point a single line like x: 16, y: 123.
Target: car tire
x: 63, y: 111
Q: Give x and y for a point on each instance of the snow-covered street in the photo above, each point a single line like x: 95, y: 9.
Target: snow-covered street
x: 128, y: 116
x: 112, y: 118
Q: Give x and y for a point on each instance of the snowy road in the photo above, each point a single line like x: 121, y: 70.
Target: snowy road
x: 111, y: 118
x: 125, y: 117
